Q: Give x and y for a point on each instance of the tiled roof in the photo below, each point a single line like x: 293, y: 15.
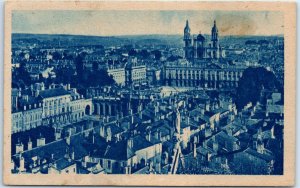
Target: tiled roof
x: 118, y: 151
x: 63, y: 163
x: 140, y: 142
x: 53, y: 92
x: 265, y: 157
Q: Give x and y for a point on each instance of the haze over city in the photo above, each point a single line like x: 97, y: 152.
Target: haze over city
x: 113, y: 23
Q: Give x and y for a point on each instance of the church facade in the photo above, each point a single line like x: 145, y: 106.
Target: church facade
x: 204, y: 65
x: 197, y: 47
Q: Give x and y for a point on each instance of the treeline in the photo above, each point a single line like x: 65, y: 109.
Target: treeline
x: 78, y: 77
x: 257, y: 42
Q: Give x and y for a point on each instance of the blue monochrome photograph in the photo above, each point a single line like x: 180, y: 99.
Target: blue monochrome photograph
x: 198, y: 92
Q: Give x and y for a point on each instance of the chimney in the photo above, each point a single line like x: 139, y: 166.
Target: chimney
x: 272, y: 132
x: 68, y: 139
x: 215, y: 146
x: 166, y: 159
x: 130, y: 143
x: 73, y: 155
x: 195, y: 150
x: 128, y: 169
x: 148, y: 136
x: 207, y: 107
x: 156, y: 135
x: 19, y: 147
x: 260, y: 147
x: 132, y: 119
x: 108, y: 136
x: 202, y: 111
x: 41, y: 141
x: 22, y: 164
x: 102, y: 131
x: 29, y: 146
x: 37, y: 93
x: 57, y: 134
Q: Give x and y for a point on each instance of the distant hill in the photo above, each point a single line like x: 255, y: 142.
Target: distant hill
x: 64, y: 40
x: 83, y: 40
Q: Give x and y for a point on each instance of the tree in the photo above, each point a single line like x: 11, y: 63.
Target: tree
x: 145, y: 54
x: 79, y: 65
x: 132, y: 52
x: 157, y: 54
x: 21, y: 76
x: 251, y: 84
x: 65, y: 75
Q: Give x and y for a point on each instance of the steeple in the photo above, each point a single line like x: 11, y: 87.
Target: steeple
x: 187, y: 27
x: 214, y: 32
x: 187, y: 40
x: 215, y: 36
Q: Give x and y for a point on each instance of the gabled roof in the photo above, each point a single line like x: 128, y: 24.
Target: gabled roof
x: 118, y: 151
x: 140, y: 142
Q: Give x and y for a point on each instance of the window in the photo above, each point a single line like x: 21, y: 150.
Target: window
x: 109, y: 164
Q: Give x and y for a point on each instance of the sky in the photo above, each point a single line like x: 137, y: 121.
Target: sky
x: 114, y: 23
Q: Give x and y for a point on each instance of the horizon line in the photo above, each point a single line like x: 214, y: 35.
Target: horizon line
x: 91, y: 35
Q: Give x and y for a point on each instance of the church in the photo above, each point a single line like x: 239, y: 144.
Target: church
x: 204, y: 65
x: 197, y: 47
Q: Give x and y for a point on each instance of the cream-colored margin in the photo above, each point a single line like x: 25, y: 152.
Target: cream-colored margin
x: 289, y: 10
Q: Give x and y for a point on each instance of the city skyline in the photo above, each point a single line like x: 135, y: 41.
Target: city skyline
x: 104, y: 23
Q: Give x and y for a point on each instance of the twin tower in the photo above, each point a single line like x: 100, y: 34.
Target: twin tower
x: 196, y: 47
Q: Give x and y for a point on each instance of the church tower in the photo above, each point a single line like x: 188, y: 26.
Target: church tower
x: 215, y: 41
x: 187, y: 41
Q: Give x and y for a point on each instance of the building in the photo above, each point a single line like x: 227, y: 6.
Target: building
x: 118, y: 74
x: 135, y: 72
x: 196, y: 47
x: 204, y: 64
x: 129, y: 156
x: 61, y: 106
x: 153, y: 75
x: 204, y: 74
x: 38, y: 106
x: 26, y: 113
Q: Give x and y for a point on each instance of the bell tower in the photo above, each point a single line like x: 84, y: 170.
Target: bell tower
x: 187, y: 41
x: 215, y: 41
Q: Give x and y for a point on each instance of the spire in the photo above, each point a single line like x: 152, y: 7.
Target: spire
x: 187, y: 27
x: 214, y: 22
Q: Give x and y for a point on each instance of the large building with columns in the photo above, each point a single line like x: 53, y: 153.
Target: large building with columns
x: 204, y: 75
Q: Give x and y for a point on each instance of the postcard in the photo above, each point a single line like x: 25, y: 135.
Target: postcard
x: 149, y: 93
